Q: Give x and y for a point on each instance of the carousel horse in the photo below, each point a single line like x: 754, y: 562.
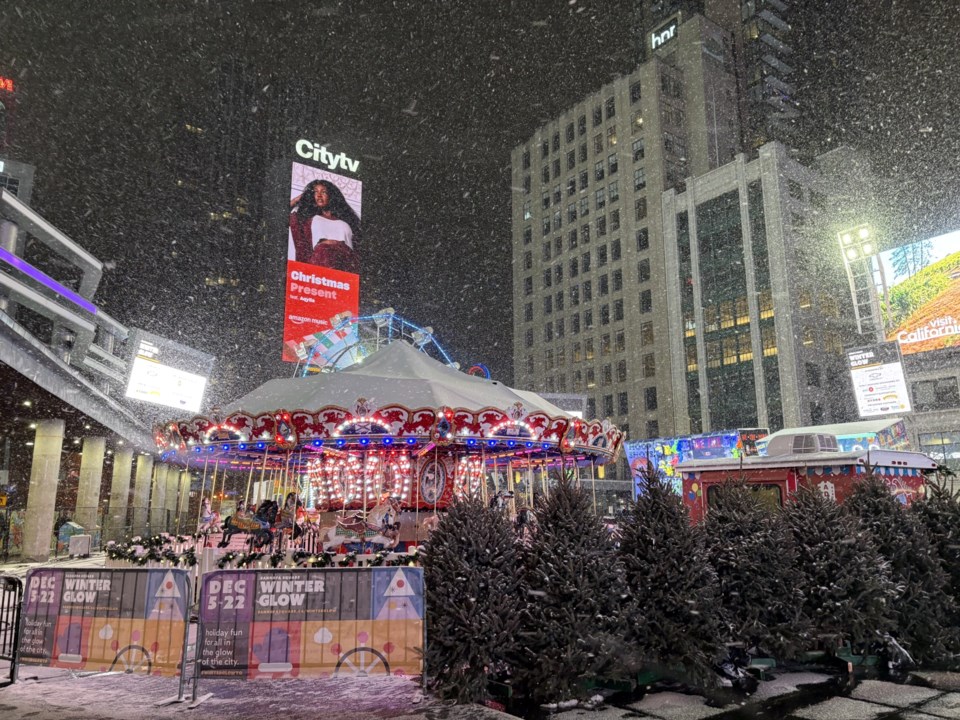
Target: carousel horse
x: 258, y: 527
x: 209, y: 520
x: 379, y: 527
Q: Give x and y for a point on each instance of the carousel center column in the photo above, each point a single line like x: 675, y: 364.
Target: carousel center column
x: 170, y: 504
x: 158, y: 511
x: 42, y: 495
x: 141, y: 493
x: 183, y: 520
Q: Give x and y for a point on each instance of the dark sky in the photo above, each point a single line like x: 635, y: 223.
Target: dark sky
x: 105, y: 85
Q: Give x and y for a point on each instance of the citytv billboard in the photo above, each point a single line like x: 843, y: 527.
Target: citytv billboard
x: 323, y: 281
x: 919, y: 290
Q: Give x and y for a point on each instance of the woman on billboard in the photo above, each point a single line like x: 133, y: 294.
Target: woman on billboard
x: 324, y: 228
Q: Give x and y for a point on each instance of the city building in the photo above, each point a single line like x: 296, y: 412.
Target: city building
x: 678, y: 284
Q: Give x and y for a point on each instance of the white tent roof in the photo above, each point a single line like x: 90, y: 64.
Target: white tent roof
x: 396, y: 374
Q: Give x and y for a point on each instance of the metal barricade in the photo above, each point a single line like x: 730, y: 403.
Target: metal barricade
x: 11, y: 597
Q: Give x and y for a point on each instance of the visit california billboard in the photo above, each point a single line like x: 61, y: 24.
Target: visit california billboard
x: 323, y: 235
x: 919, y: 290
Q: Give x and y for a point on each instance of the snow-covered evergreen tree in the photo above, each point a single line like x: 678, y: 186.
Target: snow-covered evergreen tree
x: 573, y: 582
x: 848, y: 594
x: 670, y: 616
x: 752, y: 553
x: 470, y: 566
x: 923, y: 608
x: 939, y: 512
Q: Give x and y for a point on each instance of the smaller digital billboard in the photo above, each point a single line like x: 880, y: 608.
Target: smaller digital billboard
x: 164, y: 372
x: 919, y: 290
x: 878, y: 381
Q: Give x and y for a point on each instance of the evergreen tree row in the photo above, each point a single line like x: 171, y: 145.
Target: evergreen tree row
x: 573, y: 605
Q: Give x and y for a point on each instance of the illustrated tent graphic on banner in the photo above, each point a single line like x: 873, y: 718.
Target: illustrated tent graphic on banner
x: 399, y: 601
x: 167, y: 599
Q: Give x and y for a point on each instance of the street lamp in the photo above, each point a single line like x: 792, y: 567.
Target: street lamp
x: 857, y: 246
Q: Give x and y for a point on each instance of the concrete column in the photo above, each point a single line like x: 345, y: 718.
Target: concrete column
x: 42, y: 495
x: 173, y: 488
x: 8, y: 241
x: 141, y: 493
x: 88, y: 490
x: 158, y: 518
x: 183, y: 521
x: 120, y: 494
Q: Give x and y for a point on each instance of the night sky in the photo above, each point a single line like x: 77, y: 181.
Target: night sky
x: 431, y: 97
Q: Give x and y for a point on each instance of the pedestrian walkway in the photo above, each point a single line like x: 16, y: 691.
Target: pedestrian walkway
x: 20, y: 569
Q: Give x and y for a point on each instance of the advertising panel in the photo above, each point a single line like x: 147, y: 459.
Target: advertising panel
x: 322, y: 282
x: 105, y: 620
x: 164, y: 372
x: 919, y: 290
x: 878, y: 381
x: 311, y: 622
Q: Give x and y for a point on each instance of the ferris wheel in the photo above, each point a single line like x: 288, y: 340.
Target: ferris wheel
x: 349, y: 340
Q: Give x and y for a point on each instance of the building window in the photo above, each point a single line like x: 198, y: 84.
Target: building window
x: 584, y: 180
x: 639, y: 178
x: 650, y: 365
x: 620, y: 341
x: 545, y: 174
x: 556, y: 141
x: 548, y: 332
x: 529, y: 363
x: 606, y: 376
x: 939, y: 394
x: 571, y: 212
x: 577, y: 352
x: 528, y: 312
x: 582, y: 125
x: 604, y: 314
x: 605, y: 344
x: 588, y: 319
x: 653, y: 429
x: 527, y: 235
x: 638, y: 150
x: 584, y: 235
x: 636, y: 122
x: 582, y: 153
x: 621, y: 371
x: 571, y: 159
x: 601, y: 226
x: 544, y: 149
x: 639, y: 208
x: 558, y: 300
x: 615, y: 252
x: 547, y: 278
x: 572, y: 239
x: 614, y: 191
x: 560, y: 325
x: 643, y: 239
x: 585, y: 264
x: 768, y: 340
x: 607, y: 405
x: 623, y: 404
x: 556, y: 168
x: 617, y: 280
x: 646, y: 301
x: 556, y: 194
x: 587, y: 290
x: 618, y: 310
x: 528, y: 286
x: 646, y: 334
x: 527, y: 260
x: 571, y: 186
x: 528, y: 338
x: 643, y: 271
x: 574, y: 267
x: 612, y: 164
x: 691, y: 351
x: 588, y: 349
x: 795, y: 189
x: 597, y: 115
x: 603, y: 287
x: 601, y: 255
x: 766, y: 304
x: 558, y: 273
x: 615, y: 225
x: 546, y: 250
x: 527, y: 214
x: 584, y: 206
x: 635, y: 92
x: 575, y: 324
x: 569, y: 133
x: 600, y: 198
x: 545, y: 200
x: 574, y: 295
x: 611, y: 107
x: 548, y: 359
x: 611, y: 137
x: 598, y: 143
x: 548, y: 304
x: 545, y: 226
x: 598, y: 170
x: 526, y: 159
x: 526, y: 184
x: 650, y: 398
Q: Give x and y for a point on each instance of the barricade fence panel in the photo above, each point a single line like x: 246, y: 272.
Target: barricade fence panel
x: 98, y: 620
x: 11, y: 595
x: 310, y: 622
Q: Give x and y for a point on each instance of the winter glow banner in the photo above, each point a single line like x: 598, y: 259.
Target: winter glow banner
x: 323, y: 265
x: 311, y: 623
x: 105, y: 620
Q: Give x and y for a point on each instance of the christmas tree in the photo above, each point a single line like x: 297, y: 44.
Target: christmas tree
x: 472, y: 591
x: 939, y: 512
x: 848, y: 594
x: 670, y: 614
x: 923, y: 608
x: 752, y: 553
x: 570, y: 630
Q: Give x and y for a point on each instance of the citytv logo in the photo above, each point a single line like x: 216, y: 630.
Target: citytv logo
x: 319, y: 153
x: 664, y: 34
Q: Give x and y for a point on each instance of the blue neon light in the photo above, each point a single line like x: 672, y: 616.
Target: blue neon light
x: 44, y: 279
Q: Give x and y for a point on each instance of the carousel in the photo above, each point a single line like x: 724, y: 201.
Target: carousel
x: 394, y: 437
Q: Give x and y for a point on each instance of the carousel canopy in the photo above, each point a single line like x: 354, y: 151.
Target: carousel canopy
x: 396, y: 374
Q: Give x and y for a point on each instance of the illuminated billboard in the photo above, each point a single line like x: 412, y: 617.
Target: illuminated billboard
x: 919, y: 290
x: 878, y: 381
x: 323, y: 284
x: 163, y: 372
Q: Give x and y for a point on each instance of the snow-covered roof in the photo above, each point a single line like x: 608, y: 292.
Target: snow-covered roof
x: 862, y: 427
x: 396, y: 374
x: 877, y: 458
